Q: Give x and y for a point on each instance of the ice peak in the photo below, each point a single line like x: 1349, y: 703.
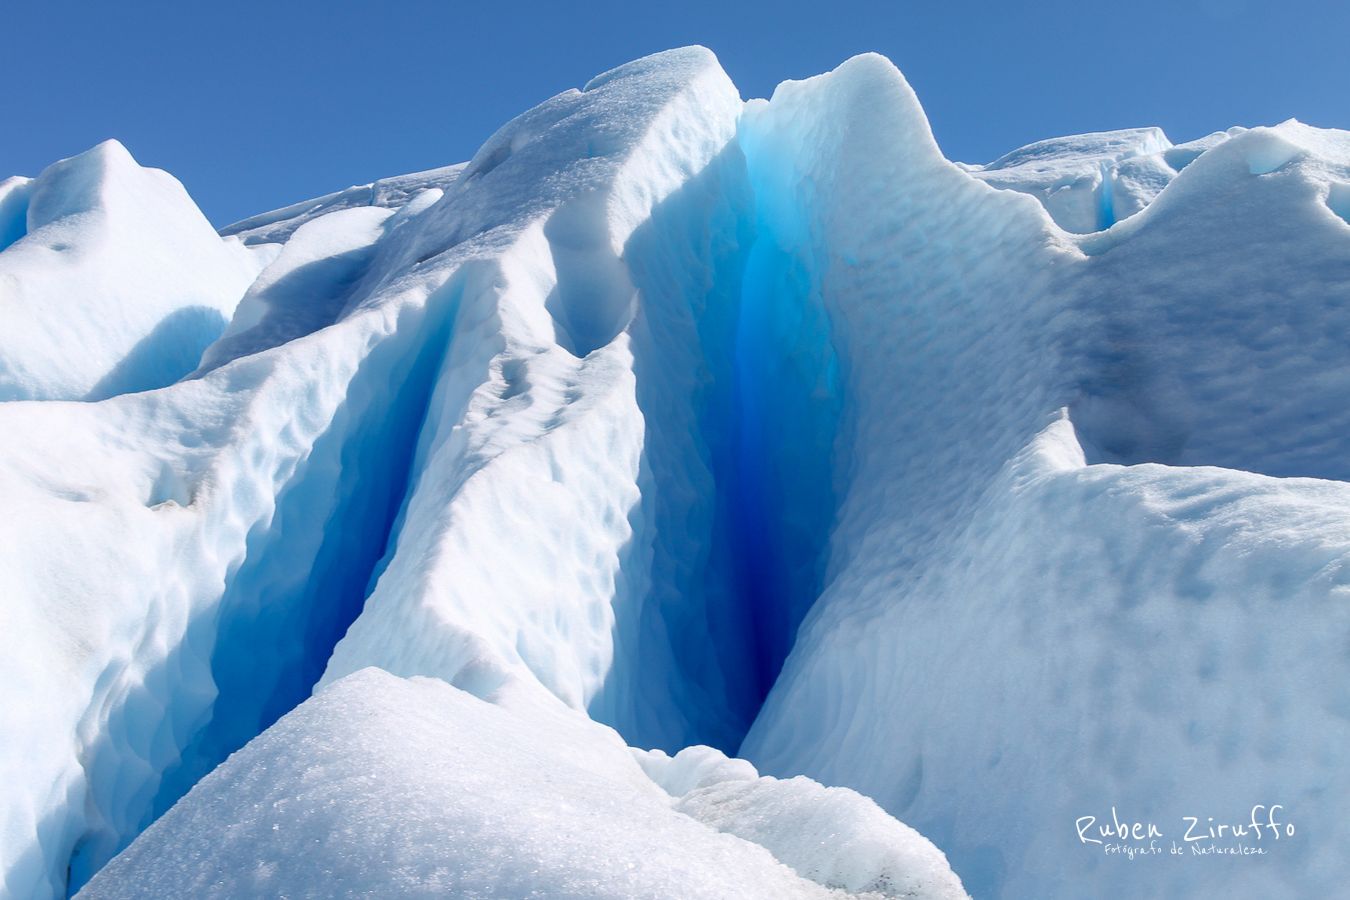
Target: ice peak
x: 680, y: 62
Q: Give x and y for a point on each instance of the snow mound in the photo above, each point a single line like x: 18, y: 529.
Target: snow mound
x: 388, y: 787
x: 832, y: 836
x: 111, y: 280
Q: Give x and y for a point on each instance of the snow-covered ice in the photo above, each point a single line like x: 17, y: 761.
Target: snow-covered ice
x: 389, y: 787
x: 676, y: 499
x: 111, y: 279
x: 1010, y: 637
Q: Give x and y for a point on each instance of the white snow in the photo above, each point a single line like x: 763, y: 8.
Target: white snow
x: 111, y: 280
x: 833, y: 836
x: 387, y: 787
x: 998, y: 495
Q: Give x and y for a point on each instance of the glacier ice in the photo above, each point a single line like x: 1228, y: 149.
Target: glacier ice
x: 755, y: 435
x: 1087, y: 182
x: 833, y: 836
x: 111, y: 281
x: 14, y: 194
x: 277, y: 226
x: 992, y: 656
x: 391, y: 787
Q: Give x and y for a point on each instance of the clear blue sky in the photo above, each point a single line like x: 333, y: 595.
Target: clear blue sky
x: 257, y: 104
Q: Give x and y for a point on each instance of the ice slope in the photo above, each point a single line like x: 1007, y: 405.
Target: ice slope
x: 111, y: 280
x: 307, y: 286
x: 657, y: 378
x: 1009, y: 637
x: 384, y: 787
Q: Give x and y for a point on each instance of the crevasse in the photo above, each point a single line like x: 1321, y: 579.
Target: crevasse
x: 690, y: 632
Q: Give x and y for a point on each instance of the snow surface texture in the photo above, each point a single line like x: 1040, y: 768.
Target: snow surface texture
x: 111, y: 280
x: 752, y: 425
x: 391, y: 787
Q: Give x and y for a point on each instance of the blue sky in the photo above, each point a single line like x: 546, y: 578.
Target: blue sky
x: 257, y: 104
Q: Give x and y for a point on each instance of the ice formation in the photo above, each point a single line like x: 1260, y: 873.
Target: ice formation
x: 393, y: 787
x: 999, y: 495
x: 113, y: 281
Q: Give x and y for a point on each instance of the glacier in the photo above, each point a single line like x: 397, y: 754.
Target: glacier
x: 686, y: 496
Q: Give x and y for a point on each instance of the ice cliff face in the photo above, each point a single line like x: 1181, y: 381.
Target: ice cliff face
x: 1003, y: 495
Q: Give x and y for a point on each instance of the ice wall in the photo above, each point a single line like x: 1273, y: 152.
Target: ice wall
x: 1010, y: 638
